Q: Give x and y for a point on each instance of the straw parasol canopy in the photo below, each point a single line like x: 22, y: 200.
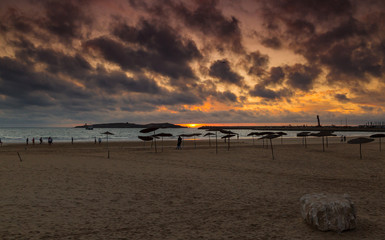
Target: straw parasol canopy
x: 360, y: 140
x: 270, y: 137
x: 281, y: 134
x: 303, y: 135
x: 379, y: 136
x: 252, y: 134
x: 228, y: 136
x: 148, y: 130
x: 323, y: 134
x: 145, y: 138
x: 263, y: 139
x: 107, y: 133
x: 226, y: 131
x: 209, y: 134
x: 216, y: 137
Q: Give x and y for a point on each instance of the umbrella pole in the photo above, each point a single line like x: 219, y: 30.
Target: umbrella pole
x: 209, y: 141
x: 271, y: 145
x: 216, y: 142
x: 228, y: 145
x: 156, y: 150
x: 323, y: 144
x: 360, y: 152
x: 108, y: 150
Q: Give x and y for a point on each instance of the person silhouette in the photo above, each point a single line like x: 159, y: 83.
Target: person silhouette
x: 178, y: 146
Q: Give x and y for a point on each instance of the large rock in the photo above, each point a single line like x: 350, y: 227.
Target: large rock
x: 326, y: 212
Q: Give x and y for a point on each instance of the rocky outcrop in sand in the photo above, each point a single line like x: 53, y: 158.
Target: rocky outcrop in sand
x: 326, y: 212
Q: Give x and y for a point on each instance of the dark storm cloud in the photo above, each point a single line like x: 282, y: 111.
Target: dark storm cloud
x: 268, y: 94
x: 65, y: 19
x: 161, y: 39
x: 13, y: 20
x: 314, y: 9
x: 221, y: 70
x: 116, y: 81
x: 256, y: 63
x: 341, y: 97
x: 227, y: 96
x: 209, y: 20
x: 344, y: 36
x: 276, y: 76
x: 140, y: 102
x: 161, y: 50
x: 301, y: 76
x: 27, y: 87
x: 56, y: 61
x: 272, y: 42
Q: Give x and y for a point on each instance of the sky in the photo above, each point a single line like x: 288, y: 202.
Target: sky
x: 65, y: 63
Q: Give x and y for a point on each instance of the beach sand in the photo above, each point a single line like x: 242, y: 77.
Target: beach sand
x: 74, y: 191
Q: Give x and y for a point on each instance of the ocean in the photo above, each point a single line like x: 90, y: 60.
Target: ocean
x: 64, y: 134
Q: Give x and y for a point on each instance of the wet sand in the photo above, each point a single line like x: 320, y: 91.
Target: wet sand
x: 69, y: 191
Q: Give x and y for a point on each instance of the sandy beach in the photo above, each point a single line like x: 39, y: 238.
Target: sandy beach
x: 67, y: 191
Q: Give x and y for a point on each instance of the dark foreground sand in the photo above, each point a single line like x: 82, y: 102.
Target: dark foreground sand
x: 69, y: 191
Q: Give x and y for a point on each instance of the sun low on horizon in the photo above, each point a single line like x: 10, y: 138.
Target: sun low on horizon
x: 191, y: 62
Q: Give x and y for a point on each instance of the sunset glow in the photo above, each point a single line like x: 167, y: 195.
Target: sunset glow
x: 192, y: 62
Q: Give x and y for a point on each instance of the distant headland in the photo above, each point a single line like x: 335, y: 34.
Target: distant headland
x: 129, y: 125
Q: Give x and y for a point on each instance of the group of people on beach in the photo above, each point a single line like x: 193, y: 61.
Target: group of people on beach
x: 50, y: 140
x: 343, y: 138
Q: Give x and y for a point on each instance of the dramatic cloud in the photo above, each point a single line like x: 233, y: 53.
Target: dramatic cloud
x: 221, y: 69
x: 209, y: 20
x: 341, y: 97
x: 268, y: 94
x: 302, y: 77
x: 67, y: 62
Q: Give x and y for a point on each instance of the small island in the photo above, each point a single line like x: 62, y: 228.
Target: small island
x: 129, y: 125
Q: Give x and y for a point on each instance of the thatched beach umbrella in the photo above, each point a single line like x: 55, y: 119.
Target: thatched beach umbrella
x: 216, y: 137
x: 379, y: 136
x: 252, y: 134
x: 323, y: 134
x: 228, y: 136
x: 303, y: 135
x: 209, y: 134
x: 162, y: 135
x: 281, y: 134
x: 148, y: 130
x: 227, y: 132
x: 108, y: 133
x: 270, y: 137
x: 263, y: 139
x: 360, y: 140
x: 145, y: 139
